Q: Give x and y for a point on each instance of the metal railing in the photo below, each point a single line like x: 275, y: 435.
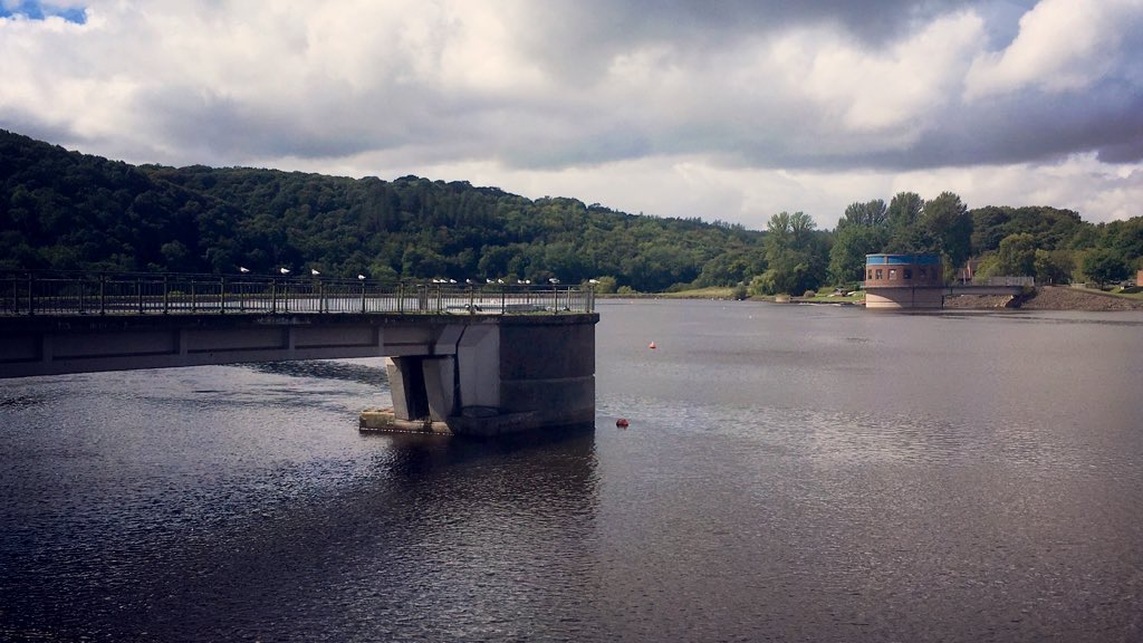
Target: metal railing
x: 54, y: 293
x: 1005, y: 280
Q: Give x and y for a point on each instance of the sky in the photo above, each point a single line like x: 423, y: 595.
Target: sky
x: 728, y: 110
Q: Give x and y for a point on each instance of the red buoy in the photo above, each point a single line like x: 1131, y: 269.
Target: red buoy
x: 652, y: 346
x: 621, y: 423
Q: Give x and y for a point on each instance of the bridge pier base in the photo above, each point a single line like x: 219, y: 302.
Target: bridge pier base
x: 914, y: 297
x: 512, y: 375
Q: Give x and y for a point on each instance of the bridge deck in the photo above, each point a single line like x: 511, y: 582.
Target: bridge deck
x: 56, y: 293
x: 51, y: 324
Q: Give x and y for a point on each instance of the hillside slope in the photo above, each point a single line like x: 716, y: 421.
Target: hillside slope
x: 66, y: 210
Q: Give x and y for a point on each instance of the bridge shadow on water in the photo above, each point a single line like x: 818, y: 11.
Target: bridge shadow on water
x: 369, y: 371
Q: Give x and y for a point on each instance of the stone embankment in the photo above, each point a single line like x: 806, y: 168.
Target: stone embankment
x: 978, y: 302
x: 1047, y: 298
x: 1064, y: 298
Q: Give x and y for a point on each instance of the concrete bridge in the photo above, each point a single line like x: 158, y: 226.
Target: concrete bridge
x: 473, y: 359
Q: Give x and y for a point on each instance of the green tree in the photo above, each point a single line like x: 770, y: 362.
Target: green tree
x: 872, y: 214
x: 1053, y: 266
x: 1105, y: 266
x: 850, y: 245
x: 795, y: 253
x: 1125, y: 237
x: 904, y: 210
x: 949, y: 225
x: 1017, y: 254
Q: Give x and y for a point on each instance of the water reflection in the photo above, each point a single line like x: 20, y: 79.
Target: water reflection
x: 788, y: 474
x: 178, y: 523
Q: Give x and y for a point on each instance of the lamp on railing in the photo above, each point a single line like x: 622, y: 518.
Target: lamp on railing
x: 35, y: 294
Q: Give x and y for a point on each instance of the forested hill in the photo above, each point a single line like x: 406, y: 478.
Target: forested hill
x: 66, y: 210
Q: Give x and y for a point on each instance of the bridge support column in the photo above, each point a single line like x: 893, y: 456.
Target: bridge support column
x: 423, y: 391
x: 440, y: 386
x: 507, y: 375
x: 404, y: 385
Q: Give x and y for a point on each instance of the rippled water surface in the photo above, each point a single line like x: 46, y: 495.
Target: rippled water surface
x: 790, y: 473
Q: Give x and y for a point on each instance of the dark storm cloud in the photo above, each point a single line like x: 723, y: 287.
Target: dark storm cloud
x: 871, y: 19
x: 1017, y: 129
x: 578, y: 38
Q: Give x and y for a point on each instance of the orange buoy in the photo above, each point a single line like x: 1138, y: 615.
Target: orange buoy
x: 652, y: 346
x: 621, y: 423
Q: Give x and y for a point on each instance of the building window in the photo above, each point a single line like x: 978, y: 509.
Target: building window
x: 869, y: 274
x: 924, y: 273
x: 892, y: 273
x: 879, y: 273
x: 908, y: 273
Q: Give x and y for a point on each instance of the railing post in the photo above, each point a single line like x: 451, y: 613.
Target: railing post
x: 194, y: 296
x: 31, y: 300
x: 322, y: 306
x: 401, y: 298
x: 139, y: 292
x: 166, y: 294
x: 222, y: 295
x: 363, y: 295
x: 102, y: 294
x: 273, y: 296
x: 286, y: 297
x: 471, y: 300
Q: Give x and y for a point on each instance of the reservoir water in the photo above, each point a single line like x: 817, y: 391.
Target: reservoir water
x: 790, y: 473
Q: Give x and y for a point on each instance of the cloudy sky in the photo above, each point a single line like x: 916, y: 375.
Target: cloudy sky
x: 730, y: 110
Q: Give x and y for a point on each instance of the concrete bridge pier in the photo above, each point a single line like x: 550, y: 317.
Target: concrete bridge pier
x: 494, y: 376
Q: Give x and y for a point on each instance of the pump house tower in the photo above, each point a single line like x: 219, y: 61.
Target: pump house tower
x: 904, y: 281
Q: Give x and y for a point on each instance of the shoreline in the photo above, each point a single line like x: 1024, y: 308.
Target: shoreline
x: 1041, y: 298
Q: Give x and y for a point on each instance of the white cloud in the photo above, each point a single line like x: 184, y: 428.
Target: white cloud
x: 732, y: 114
x: 1063, y: 45
x: 887, y: 89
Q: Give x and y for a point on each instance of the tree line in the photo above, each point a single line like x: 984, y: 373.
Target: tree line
x: 1051, y: 244
x: 69, y: 211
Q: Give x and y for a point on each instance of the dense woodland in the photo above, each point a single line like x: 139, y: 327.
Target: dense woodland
x: 69, y: 211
